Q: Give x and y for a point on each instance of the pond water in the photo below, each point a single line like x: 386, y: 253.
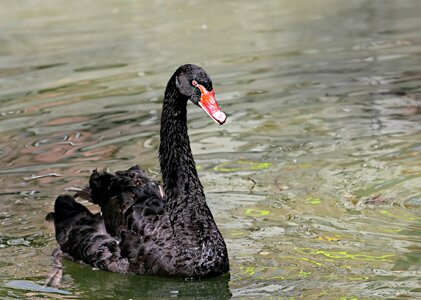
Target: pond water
x: 314, y: 181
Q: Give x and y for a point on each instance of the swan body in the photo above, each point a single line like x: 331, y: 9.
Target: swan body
x: 145, y: 227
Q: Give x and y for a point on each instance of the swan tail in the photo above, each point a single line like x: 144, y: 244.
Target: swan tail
x: 82, y: 236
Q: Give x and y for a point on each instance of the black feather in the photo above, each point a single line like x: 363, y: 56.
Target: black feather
x: 141, y: 231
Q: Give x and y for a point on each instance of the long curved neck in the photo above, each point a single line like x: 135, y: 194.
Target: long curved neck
x: 193, y: 225
x: 177, y: 164
x: 189, y: 214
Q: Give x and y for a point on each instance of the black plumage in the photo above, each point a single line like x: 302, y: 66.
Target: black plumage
x: 146, y: 228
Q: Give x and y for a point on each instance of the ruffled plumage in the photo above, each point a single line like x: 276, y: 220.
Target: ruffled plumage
x: 142, y: 229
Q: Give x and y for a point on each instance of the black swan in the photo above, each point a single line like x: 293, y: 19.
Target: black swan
x: 144, y: 228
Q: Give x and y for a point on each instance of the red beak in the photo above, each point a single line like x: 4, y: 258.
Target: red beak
x: 210, y: 106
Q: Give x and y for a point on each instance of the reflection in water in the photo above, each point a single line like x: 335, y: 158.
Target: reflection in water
x: 93, y: 284
x: 314, y: 180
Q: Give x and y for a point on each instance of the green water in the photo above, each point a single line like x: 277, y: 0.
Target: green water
x: 314, y: 181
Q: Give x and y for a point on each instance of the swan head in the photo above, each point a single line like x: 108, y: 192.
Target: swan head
x: 195, y: 84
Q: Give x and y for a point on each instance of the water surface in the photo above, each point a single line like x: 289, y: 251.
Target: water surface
x: 315, y: 180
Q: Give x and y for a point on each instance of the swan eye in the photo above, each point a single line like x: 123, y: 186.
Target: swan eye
x: 194, y: 83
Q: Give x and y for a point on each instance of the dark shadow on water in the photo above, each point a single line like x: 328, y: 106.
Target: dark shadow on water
x: 107, y: 285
